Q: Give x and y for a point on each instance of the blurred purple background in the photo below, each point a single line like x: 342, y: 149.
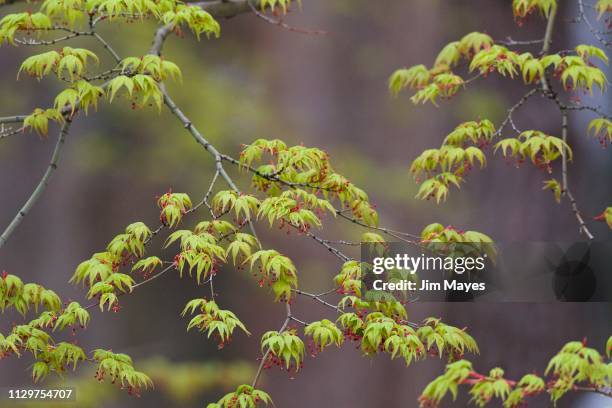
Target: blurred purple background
x: 327, y: 91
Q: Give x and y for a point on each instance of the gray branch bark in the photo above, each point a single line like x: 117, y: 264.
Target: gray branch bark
x: 42, y: 185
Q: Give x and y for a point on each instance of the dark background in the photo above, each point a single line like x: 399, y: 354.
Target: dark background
x: 328, y: 91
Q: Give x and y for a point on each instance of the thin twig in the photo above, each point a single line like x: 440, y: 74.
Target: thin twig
x: 550, y: 25
x: 6, y: 132
x: 157, y: 275
x: 207, y: 195
x: 607, y: 391
x: 341, y: 242
x: 302, y: 322
x: 33, y: 42
x: 596, y: 109
x: 333, y: 250
x: 583, y: 17
x: 512, y: 109
x: 280, y: 23
x: 392, y: 233
x: 107, y: 47
x: 565, y: 190
x: 510, y: 42
x: 13, y: 119
x: 317, y: 298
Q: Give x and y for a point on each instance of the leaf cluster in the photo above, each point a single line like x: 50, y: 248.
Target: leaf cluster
x: 173, y: 207
x: 212, y: 319
x: 199, y: 251
x: 277, y: 270
x: 285, y: 345
x: 324, y: 333
x: 539, y: 147
x: 15, y: 294
x: 39, y: 119
x: 73, y: 61
x: 245, y: 396
x: 300, y: 166
x: 119, y: 367
x: 348, y: 280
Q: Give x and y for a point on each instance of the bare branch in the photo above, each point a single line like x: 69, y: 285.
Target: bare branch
x: 565, y: 190
x: 547, y: 41
x: 607, y: 391
x: 280, y: 23
x: 207, y: 195
x: 68, y: 112
x: 550, y: 25
x: 549, y: 93
x: 31, y: 41
x: 583, y: 17
x: 106, y: 46
x: 9, y: 131
x: 42, y: 185
x: 510, y: 42
x: 13, y: 119
x: 511, y: 111
x: 596, y: 109
x: 157, y: 275
x: 317, y: 298
x: 333, y: 250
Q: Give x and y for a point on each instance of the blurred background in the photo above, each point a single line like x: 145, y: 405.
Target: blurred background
x: 329, y: 91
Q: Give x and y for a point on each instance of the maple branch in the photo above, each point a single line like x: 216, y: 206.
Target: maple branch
x: 550, y: 25
x: 510, y: 42
x: 335, y: 251
x: 280, y: 23
x: 207, y: 195
x: 547, y: 42
x: 596, y: 109
x: 511, y: 111
x: 13, y: 119
x: 106, y: 46
x: 548, y: 92
x: 42, y: 185
x: 583, y: 17
x: 157, y: 275
x: 395, y: 234
x: 68, y: 113
x: 316, y: 298
x: 565, y: 190
x: 9, y: 131
x: 222, y: 8
x: 607, y: 391
x: 31, y: 41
